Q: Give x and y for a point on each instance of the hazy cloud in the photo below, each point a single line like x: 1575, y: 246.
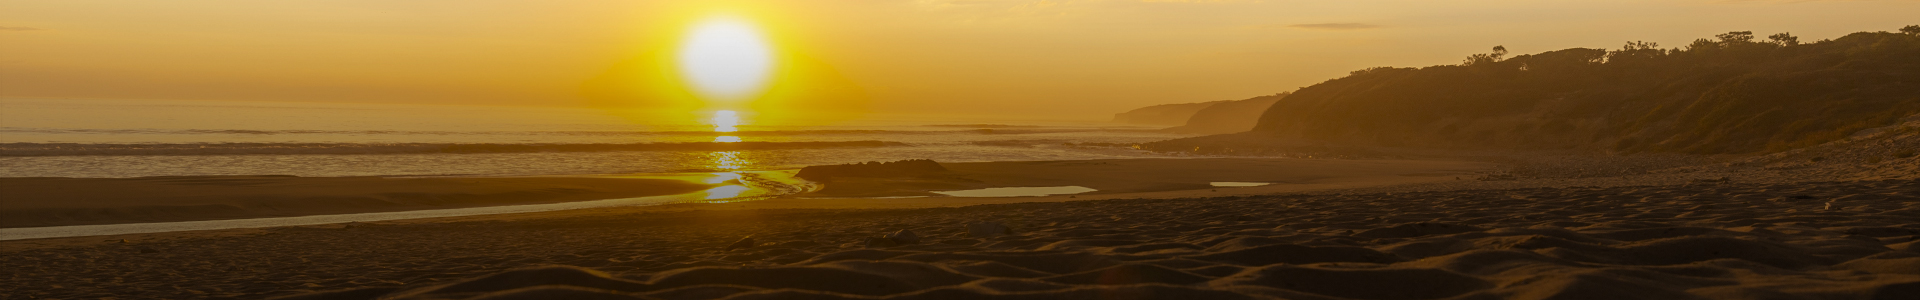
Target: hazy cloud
x: 6, y: 28
x: 1335, y: 26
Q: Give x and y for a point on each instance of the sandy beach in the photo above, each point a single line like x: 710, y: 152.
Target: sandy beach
x: 39, y: 202
x: 1667, y: 238
x: 933, y: 150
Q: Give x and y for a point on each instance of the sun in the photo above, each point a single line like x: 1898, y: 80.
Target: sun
x: 726, y: 59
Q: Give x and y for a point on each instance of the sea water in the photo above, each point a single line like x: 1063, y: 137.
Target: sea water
x: 136, y: 138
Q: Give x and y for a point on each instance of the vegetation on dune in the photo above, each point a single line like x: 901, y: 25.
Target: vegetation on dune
x: 1730, y: 94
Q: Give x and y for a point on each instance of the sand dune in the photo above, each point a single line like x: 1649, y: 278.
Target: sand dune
x: 35, y: 202
x: 1831, y: 240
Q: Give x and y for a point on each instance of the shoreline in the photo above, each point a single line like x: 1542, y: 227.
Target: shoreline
x: 758, y: 190
x: 52, y: 202
x: 1813, y: 239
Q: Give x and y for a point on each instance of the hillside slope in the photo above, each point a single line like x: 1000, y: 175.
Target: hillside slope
x: 1164, y: 114
x: 1730, y: 95
x: 1228, y: 116
x: 1890, y: 152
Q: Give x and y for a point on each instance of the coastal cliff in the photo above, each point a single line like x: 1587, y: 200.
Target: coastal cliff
x: 1728, y: 95
x: 1163, y: 115
x: 1228, y: 116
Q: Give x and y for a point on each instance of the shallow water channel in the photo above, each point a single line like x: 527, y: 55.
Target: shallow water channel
x: 752, y: 186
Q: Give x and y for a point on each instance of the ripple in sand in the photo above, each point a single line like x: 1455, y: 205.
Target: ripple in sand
x: 1019, y: 191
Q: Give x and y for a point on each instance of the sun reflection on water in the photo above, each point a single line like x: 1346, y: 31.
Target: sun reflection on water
x: 725, y: 191
x: 730, y: 185
x: 725, y: 121
x: 727, y: 160
x: 723, y: 177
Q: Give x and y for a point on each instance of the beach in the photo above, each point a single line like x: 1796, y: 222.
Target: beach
x: 1010, y: 218
x: 42, y: 202
x: 1690, y: 235
x: 935, y: 150
x: 47, y: 202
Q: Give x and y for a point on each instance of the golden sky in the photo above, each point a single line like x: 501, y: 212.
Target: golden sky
x: 1067, y: 59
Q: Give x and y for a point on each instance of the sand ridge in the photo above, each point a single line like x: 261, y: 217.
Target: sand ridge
x: 1833, y: 240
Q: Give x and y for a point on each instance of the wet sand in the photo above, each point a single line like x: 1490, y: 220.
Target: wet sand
x: 1142, y: 177
x: 43, y: 202
x: 40, y: 202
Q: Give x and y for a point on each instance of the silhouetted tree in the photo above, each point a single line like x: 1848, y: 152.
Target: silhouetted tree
x: 1911, y: 30
x: 1702, y: 45
x: 1368, y: 70
x: 1736, y: 37
x: 1487, y: 58
x: 1639, y: 45
x: 1784, y: 39
x: 1635, y: 52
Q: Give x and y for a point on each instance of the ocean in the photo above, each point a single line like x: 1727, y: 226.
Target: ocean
x: 139, y: 138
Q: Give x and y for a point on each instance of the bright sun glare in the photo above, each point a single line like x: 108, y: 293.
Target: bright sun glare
x: 726, y: 59
x: 725, y: 121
